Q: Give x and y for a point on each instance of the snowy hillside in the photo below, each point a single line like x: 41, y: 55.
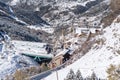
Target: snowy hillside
x: 10, y: 62
x: 74, y: 34
x: 99, y: 58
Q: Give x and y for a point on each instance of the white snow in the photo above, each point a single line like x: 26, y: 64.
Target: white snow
x: 27, y: 46
x: 31, y: 48
x: 10, y: 62
x: 11, y: 59
x: 62, y: 52
x: 18, y: 20
x: 14, y: 2
x: 85, y: 30
x: 72, y: 4
x: 107, y: 1
x: 97, y: 59
x: 47, y: 29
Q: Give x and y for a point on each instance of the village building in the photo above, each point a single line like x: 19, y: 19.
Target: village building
x: 60, y: 58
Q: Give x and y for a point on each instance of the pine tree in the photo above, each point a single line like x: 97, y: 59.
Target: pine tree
x: 71, y: 75
x: 78, y: 75
x: 113, y: 72
x: 93, y: 76
x: 88, y: 78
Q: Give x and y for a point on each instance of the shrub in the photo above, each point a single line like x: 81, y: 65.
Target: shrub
x: 113, y: 72
x: 25, y: 73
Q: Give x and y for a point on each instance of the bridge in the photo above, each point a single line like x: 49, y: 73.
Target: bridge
x: 39, y: 56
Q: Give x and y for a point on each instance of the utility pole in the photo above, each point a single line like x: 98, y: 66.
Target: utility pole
x: 57, y: 75
x: 73, y: 27
x: 63, y: 35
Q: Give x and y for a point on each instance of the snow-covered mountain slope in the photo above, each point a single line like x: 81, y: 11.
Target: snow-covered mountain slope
x: 10, y: 62
x: 7, y: 11
x: 11, y: 59
x: 53, y: 13
x: 60, y: 13
x: 99, y: 57
x: 9, y: 19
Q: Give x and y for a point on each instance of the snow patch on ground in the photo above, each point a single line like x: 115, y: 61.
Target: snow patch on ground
x: 11, y: 62
x: 70, y: 4
x: 47, y: 29
x: 11, y: 59
x: 14, y: 2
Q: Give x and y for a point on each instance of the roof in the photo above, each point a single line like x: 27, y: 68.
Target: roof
x: 26, y: 46
x: 86, y: 30
x: 41, y: 55
x: 65, y: 51
x: 34, y: 49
